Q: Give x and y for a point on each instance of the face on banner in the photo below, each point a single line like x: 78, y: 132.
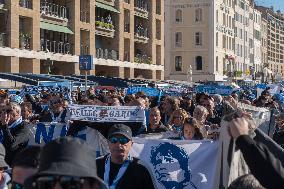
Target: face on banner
x: 171, y: 166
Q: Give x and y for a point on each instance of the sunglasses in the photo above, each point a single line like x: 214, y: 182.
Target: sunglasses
x: 178, y: 117
x: 15, y: 185
x: 122, y: 140
x: 66, y: 182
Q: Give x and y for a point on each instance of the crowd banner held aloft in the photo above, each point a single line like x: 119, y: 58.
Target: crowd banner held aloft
x: 147, y: 90
x: 93, y: 113
x: 216, y: 89
x: 180, y: 164
x: 50, y: 88
x: 274, y: 88
x: 43, y: 133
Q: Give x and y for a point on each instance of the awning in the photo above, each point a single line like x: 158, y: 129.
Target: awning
x: 106, y: 7
x: 56, y: 28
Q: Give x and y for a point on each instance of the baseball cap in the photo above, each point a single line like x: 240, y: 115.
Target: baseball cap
x: 120, y: 129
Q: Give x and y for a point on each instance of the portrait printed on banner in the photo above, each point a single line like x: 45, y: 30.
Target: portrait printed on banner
x: 171, y: 167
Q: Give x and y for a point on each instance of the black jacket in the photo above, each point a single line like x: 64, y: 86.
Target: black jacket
x: 264, y: 165
x: 46, y: 116
x: 159, y: 129
x: 14, y: 140
x: 136, y: 176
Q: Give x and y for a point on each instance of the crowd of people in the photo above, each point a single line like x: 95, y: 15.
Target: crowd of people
x: 186, y: 117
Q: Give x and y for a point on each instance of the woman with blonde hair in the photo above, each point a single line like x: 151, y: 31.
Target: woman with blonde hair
x: 177, y: 119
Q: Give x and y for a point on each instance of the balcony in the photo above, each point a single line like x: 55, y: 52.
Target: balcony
x: 143, y: 59
x: 141, y: 35
x: 108, y: 2
x: 106, y: 54
x: 105, y: 28
x: 141, y: 9
x: 54, y: 11
x: 25, y: 40
x: 55, y: 46
x: 26, y: 4
x: 3, y: 39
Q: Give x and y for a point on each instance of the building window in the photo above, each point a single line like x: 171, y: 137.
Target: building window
x: 217, y: 39
x: 178, y: 39
x: 178, y: 63
x: 198, y: 61
x: 198, y: 38
x: 178, y: 15
x: 224, y: 41
x: 198, y: 15
x: 217, y: 64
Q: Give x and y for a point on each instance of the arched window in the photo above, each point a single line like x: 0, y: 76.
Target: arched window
x: 198, y: 15
x: 178, y: 63
x: 198, y: 62
x: 178, y: 15
x: 178, y: 39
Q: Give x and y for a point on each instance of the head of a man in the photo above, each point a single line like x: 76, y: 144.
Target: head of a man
x: 169, y: 105
x: 208, y: 103
x: 26, y: 109
x: 171, y: 165
x: 155, y: 117
x: 56, y: 105
x: 25, y: 165
x: 119, y: 142
x: 13, y: 110
x: 66, y: 163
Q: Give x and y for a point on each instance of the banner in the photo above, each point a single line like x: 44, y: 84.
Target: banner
x: 148, y: 91
x: 43, y: 133
x: 274, y: 89
x: 106, y: 113
x: 52, y: 89
x: 216, y: 89
x: 179, y: 164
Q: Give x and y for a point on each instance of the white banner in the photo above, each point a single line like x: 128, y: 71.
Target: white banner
x: 180, y: 163
x: 43, y: 133
x: 106, y: 113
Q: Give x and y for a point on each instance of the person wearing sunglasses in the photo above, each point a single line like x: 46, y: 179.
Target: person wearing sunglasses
x: 66, y: 163
x: 117, y: 169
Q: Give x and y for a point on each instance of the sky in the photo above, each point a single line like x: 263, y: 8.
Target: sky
x: 277, y: 4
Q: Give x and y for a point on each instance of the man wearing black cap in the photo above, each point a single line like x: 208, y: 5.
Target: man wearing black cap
x: 117, y: 169
x: 66, y: 163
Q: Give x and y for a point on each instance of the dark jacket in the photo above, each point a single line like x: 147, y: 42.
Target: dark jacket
x: 159, y: 129
x: 136, y: 176
x: 46, y: 116
x: 264, y: 165
x: 14, y: 140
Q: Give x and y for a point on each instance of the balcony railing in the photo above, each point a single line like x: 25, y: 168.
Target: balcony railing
x: 53, y: 10
x: 25, y: 40
x: 84, y: 49
x: 26, y: 4
x: 143, y: 59
x: 141, y: 31
x: 3, y: 39
x: 106, y: 54
x: 55, y: 46
x: 142, y: 4
x: 84, y: 16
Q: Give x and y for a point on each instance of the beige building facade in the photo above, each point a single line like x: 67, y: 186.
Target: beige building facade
x: 125, y: 37
x: 231, y: 39
x: 275, y: 40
